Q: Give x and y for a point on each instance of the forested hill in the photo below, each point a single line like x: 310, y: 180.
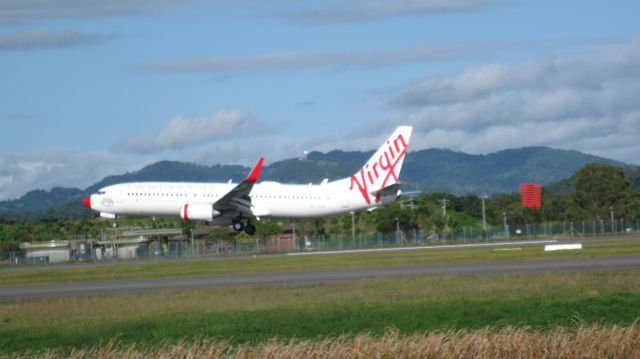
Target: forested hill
x: 432, y: 170
x: 459, y: 173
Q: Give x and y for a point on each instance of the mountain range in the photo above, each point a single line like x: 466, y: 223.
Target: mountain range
x: 431, y: 170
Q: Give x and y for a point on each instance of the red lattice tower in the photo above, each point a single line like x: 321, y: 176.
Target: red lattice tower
x: 531, y: 195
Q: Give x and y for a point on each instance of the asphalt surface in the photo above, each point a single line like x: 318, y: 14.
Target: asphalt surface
x: 314, y: 277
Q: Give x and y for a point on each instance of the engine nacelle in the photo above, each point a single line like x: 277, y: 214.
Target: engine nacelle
x: 198, y: 212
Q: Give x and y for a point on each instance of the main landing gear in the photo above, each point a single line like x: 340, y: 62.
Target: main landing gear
x: 238, y: 226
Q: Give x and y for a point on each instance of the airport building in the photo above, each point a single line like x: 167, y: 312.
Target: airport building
x: 113, y: 243
x: 46, y: 252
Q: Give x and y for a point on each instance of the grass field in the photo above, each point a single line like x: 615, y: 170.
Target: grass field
x: 582, y: 342
x: 254, y: 315
x: 151, y: 269
x: 573, y: 308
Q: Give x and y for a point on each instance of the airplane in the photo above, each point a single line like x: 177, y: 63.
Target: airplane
x: 237, y: 205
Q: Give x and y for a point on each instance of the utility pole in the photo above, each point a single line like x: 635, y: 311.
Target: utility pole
x: 353, y: 227
x: 611, y: 211
x: 504, y: 221
x: 484, y: 216
x: 444, y: 206
x: 192, y: 247
x: 294, y: 236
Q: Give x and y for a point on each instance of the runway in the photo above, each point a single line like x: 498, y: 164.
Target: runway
x: 37, y: 291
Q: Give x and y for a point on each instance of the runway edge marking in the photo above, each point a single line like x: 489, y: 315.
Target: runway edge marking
x: 424, y: 247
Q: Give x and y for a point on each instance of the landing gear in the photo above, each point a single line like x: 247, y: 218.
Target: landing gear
x: 250, y: 229
x: 238, y: 225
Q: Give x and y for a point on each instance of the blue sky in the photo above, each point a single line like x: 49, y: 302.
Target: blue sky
x: 93, y: 88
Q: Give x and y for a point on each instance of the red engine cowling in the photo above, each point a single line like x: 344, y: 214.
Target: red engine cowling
x: 198, y: 212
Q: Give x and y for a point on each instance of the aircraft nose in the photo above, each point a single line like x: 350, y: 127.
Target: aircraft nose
x: 87, y: 202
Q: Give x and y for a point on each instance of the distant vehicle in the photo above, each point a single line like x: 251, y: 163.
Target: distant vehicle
x: 238, y: 204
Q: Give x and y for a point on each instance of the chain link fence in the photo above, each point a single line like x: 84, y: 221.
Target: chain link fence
x: 149, y: 244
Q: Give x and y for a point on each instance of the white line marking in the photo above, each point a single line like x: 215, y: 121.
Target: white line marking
x: 423, y: 247
x: 560, y: 247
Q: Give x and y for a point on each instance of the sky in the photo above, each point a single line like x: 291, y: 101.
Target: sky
x: 90, y: 88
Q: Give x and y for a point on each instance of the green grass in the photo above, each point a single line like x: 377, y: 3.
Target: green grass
x: 161, y: 269
x: 255, y: 314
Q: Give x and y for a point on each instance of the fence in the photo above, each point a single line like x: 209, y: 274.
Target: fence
x: 157, y: 247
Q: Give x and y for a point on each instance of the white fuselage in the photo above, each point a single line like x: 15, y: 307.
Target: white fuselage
x: 268, y: 199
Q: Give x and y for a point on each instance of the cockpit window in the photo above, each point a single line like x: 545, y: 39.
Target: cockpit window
x: 102, y: 192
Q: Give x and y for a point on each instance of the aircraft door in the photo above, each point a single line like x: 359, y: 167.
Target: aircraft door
x: 118, y: 196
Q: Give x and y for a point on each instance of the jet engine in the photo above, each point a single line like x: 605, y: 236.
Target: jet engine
x: 198, y: 212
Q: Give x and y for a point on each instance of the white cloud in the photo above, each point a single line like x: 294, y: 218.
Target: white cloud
x: 334, y: 60
x: 12, y: 10
x: 360, y: 10
x: 18, y: 116
x: 22, y: 172
x: 183, y: 131
x: 6, y: 181
x: 587, y: 102
x: 306, y: 12
x: 43, y: 39
x: 245, y: 151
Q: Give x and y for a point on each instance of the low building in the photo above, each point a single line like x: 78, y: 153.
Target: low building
x: 139, y: 242
x: 47, y: 252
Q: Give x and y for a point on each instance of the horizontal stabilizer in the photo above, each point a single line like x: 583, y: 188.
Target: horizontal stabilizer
x: 392, y: 191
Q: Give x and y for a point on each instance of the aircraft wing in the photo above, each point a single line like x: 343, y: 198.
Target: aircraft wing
x: 238, y: 198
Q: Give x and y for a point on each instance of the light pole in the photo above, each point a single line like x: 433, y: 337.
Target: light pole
x: 504, y: 221
x: 353, y: 227
x: 397, y: 230
x: 484, y: 216
x: 444, y: 206
x: 294, y: 236
x: 192, y: 247
x: 611, y: 211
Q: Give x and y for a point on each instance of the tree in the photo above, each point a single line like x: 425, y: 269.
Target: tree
x: 634, y: 207
x: 313, y: 227
x: 9, y: 246
x: 220, y: 233
x: 554, y: 205
x: 267, y: 228
x: 386, y: 218
x: 469, y: 204
x: 602, y: 186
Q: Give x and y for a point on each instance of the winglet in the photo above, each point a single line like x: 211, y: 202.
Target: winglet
x: 255, y: 172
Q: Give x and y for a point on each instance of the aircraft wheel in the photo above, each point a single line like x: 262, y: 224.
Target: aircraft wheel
x: 238, y: 226
x: 250, y: 229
